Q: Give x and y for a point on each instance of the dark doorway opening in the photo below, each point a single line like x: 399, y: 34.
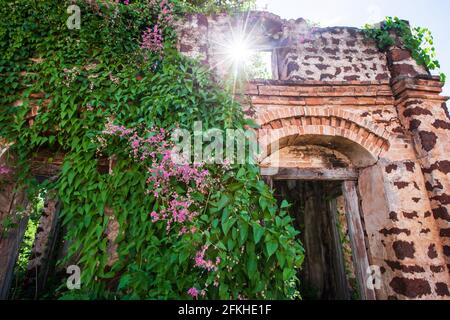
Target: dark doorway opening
x: 319, y: 213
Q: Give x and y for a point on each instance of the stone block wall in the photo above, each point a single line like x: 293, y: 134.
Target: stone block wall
x: 404, y: 237
x: 301, y: 50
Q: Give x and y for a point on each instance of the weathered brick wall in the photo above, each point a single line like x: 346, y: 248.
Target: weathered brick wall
x: 336, y: 90
x: 404, y: 239
x: 303, y: 52
x: 332, y: 54
x: 424, y: 114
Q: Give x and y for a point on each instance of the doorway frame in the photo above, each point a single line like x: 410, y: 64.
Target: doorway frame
x: 349, y: 178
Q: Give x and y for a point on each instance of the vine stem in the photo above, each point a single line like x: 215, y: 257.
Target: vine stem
x: 207, y: 202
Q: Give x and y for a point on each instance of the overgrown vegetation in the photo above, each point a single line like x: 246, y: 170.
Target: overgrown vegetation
x: 113, y: 90
x: 418, y: 40
x: 26, y: 247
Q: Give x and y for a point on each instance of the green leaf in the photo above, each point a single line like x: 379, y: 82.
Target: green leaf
x: 263, y: 202
x: 223, y: 291
x: 230, y: 244
x: 227, y: 225
x: 258, y: 232
x: 288, y: 274
x: 240, y: 173
x: 281, y: 258
x: 224, y: 200
x: 124, y: 281
x: 284, y: 204
x: 251, y: 265
x: 243, y: 231
x: 221, y: 245
x: 271, y: 247
x: 71, y: 176
x: 184, y: 254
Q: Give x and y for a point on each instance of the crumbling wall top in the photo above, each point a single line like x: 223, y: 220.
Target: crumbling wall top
x: 300, y: 50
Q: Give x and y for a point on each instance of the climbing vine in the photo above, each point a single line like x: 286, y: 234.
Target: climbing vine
x: 114, y: 89
x: 418, y: 40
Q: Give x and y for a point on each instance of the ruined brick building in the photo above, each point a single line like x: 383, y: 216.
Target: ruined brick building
x: 338, y: 111
x: 344, y: 128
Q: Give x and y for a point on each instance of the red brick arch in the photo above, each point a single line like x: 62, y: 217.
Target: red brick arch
x: 280, y: 114
x: 283, y: 125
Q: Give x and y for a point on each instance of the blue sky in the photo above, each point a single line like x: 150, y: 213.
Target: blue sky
x: 433, y: 14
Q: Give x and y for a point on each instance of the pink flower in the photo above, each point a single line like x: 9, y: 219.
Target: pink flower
x: 205, y: 264
x: 154, y: 216
x: 5, y: 170
x: 163, y: 172
x: 193, y: 292
x: 152, y: 39
x: 135, y: 143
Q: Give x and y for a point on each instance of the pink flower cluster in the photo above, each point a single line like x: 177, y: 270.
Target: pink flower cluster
x: 177, y: 211
x: 152, y: 38
x: 201, y: 262
x: 165, y: 176
x: 121, y: 131
x: 206, y: 264
x: 141, y: 148
x: 162, y: 171
x: 165, y: 16
x: 193, y: 292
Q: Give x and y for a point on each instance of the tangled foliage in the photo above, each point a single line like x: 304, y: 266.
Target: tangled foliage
x: 418, y: 40
x: 201, y: 231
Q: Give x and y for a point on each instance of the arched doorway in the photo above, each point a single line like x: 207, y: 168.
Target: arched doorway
x: 319, y: 174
